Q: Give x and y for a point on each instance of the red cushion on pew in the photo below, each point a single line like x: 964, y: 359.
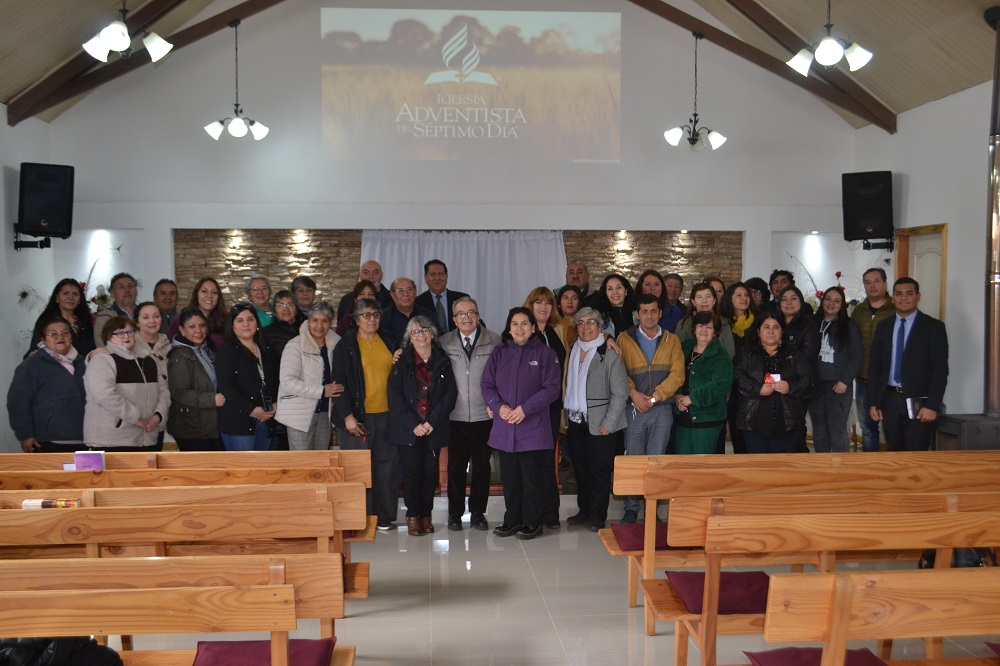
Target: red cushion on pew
x: 740, y: 592
x: 809, y: 657
x: 301, y: 652
x: 630, y: 537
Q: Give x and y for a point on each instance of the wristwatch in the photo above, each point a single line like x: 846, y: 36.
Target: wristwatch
x: 652, y: 399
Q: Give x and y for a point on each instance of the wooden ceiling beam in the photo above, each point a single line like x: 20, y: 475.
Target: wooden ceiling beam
x: 791, y: 42
x: 83, y: 83
x: 23, y: 106
x: 764, y: 60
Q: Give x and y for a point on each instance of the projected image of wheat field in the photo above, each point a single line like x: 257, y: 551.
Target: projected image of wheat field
x: 572, y: 114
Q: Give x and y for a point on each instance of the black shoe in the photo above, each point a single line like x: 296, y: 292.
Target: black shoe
x: 578, y: 519
x: 455, y: 524
x: 528, y: 532
x: 594, y: 526
x: 553, y: 525
x: 505, y: 530
x: 478, y: 522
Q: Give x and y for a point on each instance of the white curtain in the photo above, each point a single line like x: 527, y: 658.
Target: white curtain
x: 497, y: 268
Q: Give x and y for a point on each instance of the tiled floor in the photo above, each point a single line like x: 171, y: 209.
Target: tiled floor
x: 456, y: 598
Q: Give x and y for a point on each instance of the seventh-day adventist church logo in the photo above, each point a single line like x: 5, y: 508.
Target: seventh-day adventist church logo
x: 459, y: 45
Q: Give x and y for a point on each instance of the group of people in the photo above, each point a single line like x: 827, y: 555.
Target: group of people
x: 624, y: 368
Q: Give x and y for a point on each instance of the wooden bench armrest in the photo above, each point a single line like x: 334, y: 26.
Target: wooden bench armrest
x: 364, y: 535
x: 356, y: 577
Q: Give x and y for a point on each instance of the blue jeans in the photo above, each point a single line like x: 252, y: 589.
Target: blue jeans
x: 869, y: 428
x: 785, y: 442
x: 646, y: 435
x: 261, y: 440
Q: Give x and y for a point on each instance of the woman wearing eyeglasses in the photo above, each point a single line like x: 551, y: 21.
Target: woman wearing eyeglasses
x: 126, y: 403
x: 45, y: 402
x: 422, y: 393
x: 361, y: 363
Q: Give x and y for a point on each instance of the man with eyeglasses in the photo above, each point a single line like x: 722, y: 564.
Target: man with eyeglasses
x: 438, y: 297
x: 403, y: 309
x: 371, y: 270
x: 123, y: 292
x: 468, y: 347
x: 655, y: 366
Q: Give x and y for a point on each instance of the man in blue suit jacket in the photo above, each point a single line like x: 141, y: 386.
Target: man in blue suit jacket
x: 909, y: 359
x: 436, y: 279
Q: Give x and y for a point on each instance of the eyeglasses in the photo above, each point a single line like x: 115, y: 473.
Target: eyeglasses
x: 586, y: 322
x: 124, y: 334
x: 404, y: 290
x: 284, y: 305
x: 370, y: 315
x: 471, y: 314
x: 419, y: 331
x: 56, y: 335
x: 258, y: 290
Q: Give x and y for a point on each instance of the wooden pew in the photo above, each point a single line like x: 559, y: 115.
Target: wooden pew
x: 837, y: 607
x: 175, y: 595
x: 123, y: 478
x: 727, y: 536
x: 630, y: 479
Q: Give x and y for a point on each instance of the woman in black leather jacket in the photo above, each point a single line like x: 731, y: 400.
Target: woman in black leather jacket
x: 774, y: 382
x: 801, y: 335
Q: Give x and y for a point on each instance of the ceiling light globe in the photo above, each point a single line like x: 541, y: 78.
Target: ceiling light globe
x: 801, y: 62
x: 156, y: 46
x: 829, y: 52
x: 716, y: 139
x: 673, y: 136
x: 95, y: 47
x: 237, y: 128
x: 215, y: 129
x: 259, y: 130
x: 115, y: 36
x: 857, y: 57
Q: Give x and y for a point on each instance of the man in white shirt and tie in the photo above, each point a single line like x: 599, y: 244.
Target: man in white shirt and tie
x: 468, y: 347
x: 438, y: 298
x: 909, y: 362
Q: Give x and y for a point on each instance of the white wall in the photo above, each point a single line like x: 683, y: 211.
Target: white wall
x: 145, y: 166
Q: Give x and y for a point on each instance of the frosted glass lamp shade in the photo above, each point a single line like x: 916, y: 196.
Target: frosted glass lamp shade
x: 237, y: 127
x: 259, y: 130
x: 115, y: 36
x: 857, y: 57
x: 829, y: 52
x: 215, y: 129
x: 674, y: 136
x: 716, y: 139
x: 156, y: 46
x: 96, y: 48
x: 801, y: 62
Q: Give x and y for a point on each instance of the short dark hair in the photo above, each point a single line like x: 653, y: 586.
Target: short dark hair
x: 778, y: 272
x: 140, y: 306
x: 189, y: 313
x: 906, y: 280
x: 875, y: 269
x: 303, y: 279
x: 119, y: 276
x: 646, y: 299
x: 163, y: 281
x: 708, y: 317
x: 113, y: 324
x: 430, y: 263
x: 761, y: 286
x: 283, y: 293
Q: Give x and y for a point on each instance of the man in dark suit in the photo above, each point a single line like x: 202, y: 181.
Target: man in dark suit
x: 438, y: 298
x: 909, y: 359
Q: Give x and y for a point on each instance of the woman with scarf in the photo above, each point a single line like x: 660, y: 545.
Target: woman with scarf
x: 596, y: 392
x: 739, y: 310
x: 45, y: 402
x: 194, y: 394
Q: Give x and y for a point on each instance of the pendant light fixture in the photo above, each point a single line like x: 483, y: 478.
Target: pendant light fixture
x: 696, y: 136
x: 829, y: 52
x: 116, y: 37
x: 237, y: 125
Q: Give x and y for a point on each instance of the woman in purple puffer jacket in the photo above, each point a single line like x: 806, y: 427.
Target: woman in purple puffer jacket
x: 521, y: 379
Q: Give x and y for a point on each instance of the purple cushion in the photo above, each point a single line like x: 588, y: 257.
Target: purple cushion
x: 301, y: 652
x: 630, y: 537
x: 740, y: 592
x: 994, y: 646
x: 809, y: 657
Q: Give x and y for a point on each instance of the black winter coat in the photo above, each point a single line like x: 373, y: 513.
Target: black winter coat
x: 403, y: 399
x: 239, y: 380
x: 795, y: 368
x: 56, y: 652
x: 345, y: 366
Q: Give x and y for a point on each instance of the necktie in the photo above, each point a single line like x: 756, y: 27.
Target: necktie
x: 442, y: 317
x: 468, y: 346
x: 897, y: 367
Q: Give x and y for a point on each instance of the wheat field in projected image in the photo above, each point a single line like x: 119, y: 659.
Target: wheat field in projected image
x: 571, y: 114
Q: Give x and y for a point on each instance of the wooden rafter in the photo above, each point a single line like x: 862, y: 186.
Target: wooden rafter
x: 73, y: 78
x: 790, y: 41
x: 884, y: 118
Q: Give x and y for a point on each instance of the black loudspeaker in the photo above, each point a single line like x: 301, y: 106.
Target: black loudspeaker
x: 867, y: 199
x: 45, y: 207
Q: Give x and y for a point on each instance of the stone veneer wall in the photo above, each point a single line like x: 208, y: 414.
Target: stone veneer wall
x: 332, y: 256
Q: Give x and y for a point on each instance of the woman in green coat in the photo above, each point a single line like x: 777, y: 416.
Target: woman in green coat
x: 700, y: 404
